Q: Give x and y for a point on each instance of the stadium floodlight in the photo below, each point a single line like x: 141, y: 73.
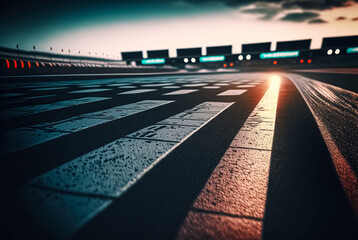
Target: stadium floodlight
x: 193, y: 60
x: 153, y: 61
x: 248, y: 57
x: 285, y: 54
x: 352, y: 50
x: 240, y: 57
x: 329, y: 52
x: 337, y: 51
x: 212, y: 59
x: 186, y: 60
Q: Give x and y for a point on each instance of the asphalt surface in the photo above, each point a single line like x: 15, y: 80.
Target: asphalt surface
x: 239, y: 156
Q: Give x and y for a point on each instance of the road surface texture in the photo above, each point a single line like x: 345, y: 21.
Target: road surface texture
x: 218, y: 156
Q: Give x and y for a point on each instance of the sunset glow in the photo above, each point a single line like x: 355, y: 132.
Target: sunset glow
x: 174, y: 25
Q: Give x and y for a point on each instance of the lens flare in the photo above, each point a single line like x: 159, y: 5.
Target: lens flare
x: 275, y: 80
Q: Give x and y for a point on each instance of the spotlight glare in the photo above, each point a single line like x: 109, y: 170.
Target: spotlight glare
x: 275, y: 80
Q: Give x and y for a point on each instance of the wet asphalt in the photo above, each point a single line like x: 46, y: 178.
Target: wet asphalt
x: 305, y: 199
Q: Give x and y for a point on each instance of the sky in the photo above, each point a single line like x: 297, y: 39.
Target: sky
x: 107, y: 28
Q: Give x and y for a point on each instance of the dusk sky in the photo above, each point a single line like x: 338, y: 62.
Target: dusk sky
x: 111, y: 27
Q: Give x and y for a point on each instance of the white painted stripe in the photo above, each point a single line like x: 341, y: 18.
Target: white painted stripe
x: 118, y: 84
x: 195, y: 85
x: 127, y: 87
x: 221, y: 84
x: 232, y: 92
x: 245, y: 86
x: 132, y: 155
x: 90, y: 86
x: 32, y: 109
x: 137, y: 91
x: 109, y: 170
x: 238, y: 185
x: 181, y: 92
x: 171, y: 87
x: 157, y: 84
x: 21, y: 138
x: 41, y: 96
x: 211, y: 87
x: 91, y: 90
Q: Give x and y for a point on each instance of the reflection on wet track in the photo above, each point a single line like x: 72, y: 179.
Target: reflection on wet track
x: 235, y: 194
x: 336, y: 112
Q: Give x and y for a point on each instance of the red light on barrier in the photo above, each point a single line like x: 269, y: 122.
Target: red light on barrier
x: 301, y: 61
x: 37, y: 64
x: 225, y: 65
x: 15, y: 63
x: 29, y: 64
x: 231, y: 64
x: 274, y: 62
x: 309, y: 61
x: 7, y: 63
x: 22, y: 64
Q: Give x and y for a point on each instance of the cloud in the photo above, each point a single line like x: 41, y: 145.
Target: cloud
x: 340, y: 18
x: 32, y: 9
x: 286, y: 4
x: 317, y: 20
x: 266, y: 11
x: 314, y: 4
x: 299, y: 17
x: 269, y: 9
